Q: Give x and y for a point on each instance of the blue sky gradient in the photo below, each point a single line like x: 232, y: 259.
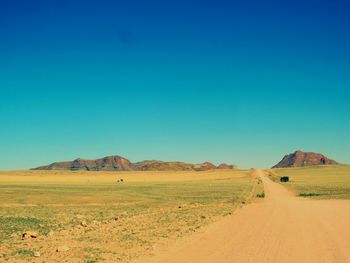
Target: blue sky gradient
x: 242, y: 82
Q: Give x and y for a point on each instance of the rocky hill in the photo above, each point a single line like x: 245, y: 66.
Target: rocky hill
x: 110, y: 163
x: 118, y: 163
x: 301, y: 159
x: 173, y: 166
x: 226, y: 166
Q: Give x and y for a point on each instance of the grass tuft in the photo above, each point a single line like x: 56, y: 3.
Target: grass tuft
x: 16, y: 225
x: 261, y: 195
x: 308, y: 194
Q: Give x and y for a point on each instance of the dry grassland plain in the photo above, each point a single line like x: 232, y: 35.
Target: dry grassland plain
x: 101, y: 219
x: 321, y: 182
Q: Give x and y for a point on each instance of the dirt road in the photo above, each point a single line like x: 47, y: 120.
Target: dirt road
x: 282, y: 228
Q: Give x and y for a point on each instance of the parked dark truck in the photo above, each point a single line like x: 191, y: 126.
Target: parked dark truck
x: 284, y: 179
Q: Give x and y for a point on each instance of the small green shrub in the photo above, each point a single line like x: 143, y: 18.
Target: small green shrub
x: 11, y: 224
x: 261, y: 195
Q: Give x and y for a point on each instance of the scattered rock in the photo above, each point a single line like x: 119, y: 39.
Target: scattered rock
x: 116, y: 218
x: 36, y: 254
x: 62, y: 249
x: 29, y: 234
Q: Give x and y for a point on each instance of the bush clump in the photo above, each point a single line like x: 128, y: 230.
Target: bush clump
x: 261, y: 195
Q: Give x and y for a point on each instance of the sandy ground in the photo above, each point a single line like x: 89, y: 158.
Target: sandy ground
x: 282, y: 228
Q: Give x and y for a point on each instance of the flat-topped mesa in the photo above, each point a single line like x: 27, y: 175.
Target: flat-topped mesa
x: 302, y: 159
x: 110, y: 163
x: 118, y: 163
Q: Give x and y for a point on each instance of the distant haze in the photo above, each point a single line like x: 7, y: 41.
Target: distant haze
x: 242, y: 83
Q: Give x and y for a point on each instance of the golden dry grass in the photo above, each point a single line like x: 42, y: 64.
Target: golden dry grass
x: 321, y: 182
x: 125, y: 220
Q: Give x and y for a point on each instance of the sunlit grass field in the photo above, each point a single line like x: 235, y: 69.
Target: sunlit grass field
x: 321, y: 182
x: 99, y: 218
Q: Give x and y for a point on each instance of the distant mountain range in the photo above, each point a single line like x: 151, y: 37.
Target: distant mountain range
x: 118, y: 163
x: 301, y: 159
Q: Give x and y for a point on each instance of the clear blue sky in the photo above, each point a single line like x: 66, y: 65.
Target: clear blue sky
x: 242, y: 82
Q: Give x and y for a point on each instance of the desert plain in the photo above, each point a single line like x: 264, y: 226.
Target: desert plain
x: 176, y: 216
x: 111, y: 216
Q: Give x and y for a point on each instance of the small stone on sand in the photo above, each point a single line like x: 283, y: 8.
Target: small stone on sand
x: 62, y: 249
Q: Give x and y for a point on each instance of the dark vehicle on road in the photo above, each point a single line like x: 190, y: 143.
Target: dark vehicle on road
x: 284, y: 179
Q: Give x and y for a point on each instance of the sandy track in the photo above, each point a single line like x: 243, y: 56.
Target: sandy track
x: 282, y: 228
